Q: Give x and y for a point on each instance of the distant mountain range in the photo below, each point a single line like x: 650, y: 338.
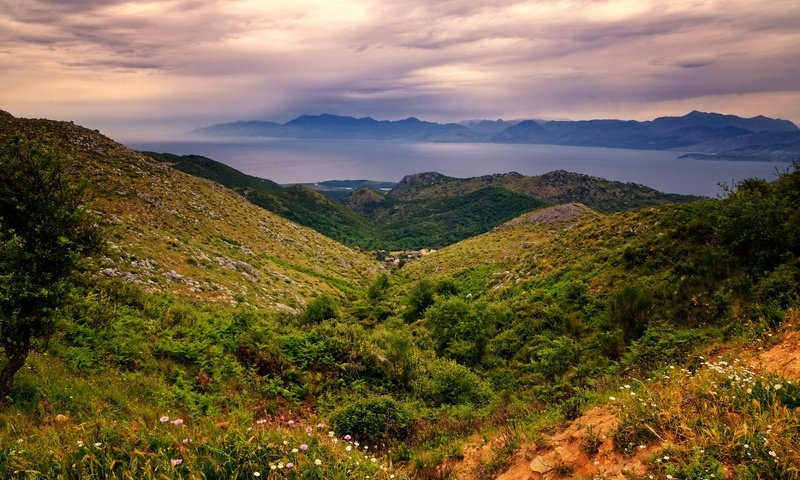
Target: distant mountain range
x: 704, y: 135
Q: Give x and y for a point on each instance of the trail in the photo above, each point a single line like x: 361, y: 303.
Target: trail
x: 565, y: 454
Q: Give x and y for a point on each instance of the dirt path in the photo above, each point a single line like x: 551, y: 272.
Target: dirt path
x: 567, y: 453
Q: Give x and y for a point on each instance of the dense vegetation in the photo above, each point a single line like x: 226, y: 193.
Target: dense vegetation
x: 517, y: 330
x: 425, y: 210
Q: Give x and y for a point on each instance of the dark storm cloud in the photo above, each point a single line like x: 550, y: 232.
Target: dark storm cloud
x: 441, y: 60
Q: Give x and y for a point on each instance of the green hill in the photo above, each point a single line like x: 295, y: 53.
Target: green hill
x: 427, y: 210
x: 218, y: 340
x: 174, y: 232
x: 297, y: 203
x: 554, y: 187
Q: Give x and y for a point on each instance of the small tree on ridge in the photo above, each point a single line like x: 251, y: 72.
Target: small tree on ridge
x: 45, y: 235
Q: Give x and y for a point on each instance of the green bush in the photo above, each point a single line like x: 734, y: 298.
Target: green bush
x: 631, y: 309
x: 448, y: 383
x: 373, y: 420
x: 664, y: 344
x: 320, y: 309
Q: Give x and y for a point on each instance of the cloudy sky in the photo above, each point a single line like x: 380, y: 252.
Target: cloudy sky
x: 167, y: 66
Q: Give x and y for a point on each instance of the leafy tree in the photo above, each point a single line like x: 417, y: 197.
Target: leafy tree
x: 378, y: 290
x: 45, y: 236
x: 420, y: 298
x: 320, y: 309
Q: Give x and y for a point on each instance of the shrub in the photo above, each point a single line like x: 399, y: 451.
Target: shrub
x: 320, y: 309
x: 631, y: 309
x: 448, y: 383
x: 419, y: 299
x: 373, y: 420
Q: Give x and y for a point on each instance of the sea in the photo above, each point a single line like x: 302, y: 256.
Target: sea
x: 286, y: 160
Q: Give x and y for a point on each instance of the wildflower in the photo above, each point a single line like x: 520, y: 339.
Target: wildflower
x: 773, y: 454
x: 280, y: 465
x: 285, y: 442
x: 331, y: 434
x: 347, y: 437
x: 294, y: 450
x: 309, y: 430
x: 289, y: 465
x: 256, y: 474
x: 318, y: 462
x: 177, y: 421
x: 304, y: 447
x: 778, y: 386
x: 261, y: 421
x: 98, y: 444
x: 164, y: 419
x: 290, y: 423
x: 669, y: 476
x: 176, y: 461
x: 320, y: 425
x: 186, y: 441
x: 80, y: 443
x: 348, y: 448
x: 612, y: 398
x: 272, y: 466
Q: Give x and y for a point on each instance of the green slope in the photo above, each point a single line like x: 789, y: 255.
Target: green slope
x: 173, y: 232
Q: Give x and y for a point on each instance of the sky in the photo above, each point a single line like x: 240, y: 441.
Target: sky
x: 150, y: 68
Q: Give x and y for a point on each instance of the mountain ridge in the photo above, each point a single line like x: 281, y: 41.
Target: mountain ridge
x: 696, y: 131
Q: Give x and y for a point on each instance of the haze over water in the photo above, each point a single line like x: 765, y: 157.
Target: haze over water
x: 303, y: 160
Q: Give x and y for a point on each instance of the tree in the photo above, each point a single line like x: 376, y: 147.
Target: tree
x: 320, y: 309
x: 46, y: 234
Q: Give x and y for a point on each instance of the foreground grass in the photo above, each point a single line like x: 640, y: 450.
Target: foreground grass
x: 720, y: 419
x: 109, y: 426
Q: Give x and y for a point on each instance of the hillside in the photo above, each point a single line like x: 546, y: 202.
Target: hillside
x: 564, y: 342
x: 175, y: 232
x: 297, y: 203
x: 423, y: 210
x: 554, y: 187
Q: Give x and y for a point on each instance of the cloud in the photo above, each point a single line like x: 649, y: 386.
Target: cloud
x: 219, y: 60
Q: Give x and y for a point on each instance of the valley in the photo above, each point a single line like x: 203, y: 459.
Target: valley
x: 566, y: 325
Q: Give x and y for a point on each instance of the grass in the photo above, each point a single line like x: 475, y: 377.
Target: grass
x: 721, y: 416
x: 111, y: 426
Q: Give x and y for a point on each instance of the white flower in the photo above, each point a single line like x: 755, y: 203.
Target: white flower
x: 612, y: 398
x: 778, y: 386
x: 318, y: 462
x: 773, y: 454
x: 256, y: 474
x: 348, y: 448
